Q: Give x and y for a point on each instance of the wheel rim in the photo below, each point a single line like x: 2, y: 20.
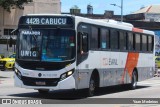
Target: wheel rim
x: 134, y: 80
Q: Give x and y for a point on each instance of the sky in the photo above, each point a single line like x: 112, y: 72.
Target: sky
x: 99, y: 6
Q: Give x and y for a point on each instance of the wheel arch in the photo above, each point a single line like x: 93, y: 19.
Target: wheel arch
x: 96, y: 75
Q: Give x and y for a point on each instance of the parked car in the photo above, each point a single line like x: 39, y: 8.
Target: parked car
x: 1, y: 56
x: 157, y: 61
x: 7, y: 63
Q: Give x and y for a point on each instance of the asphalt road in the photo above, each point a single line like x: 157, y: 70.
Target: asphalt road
x: 146, y: 89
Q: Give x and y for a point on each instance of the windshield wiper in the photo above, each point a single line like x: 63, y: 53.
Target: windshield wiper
x: 34, y: 36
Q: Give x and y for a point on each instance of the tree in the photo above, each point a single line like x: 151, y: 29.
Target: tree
x: 8, y: 4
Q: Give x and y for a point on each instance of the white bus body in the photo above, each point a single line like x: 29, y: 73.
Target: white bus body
x: 96, y: 63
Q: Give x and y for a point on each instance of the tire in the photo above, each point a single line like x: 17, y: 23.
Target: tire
x: 133, y: 84
x: 92, y: 86
x: 3, y: 69
x: 43, y: 91
x: 13, y: 67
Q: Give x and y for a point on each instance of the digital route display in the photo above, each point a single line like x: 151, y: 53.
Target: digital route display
x: 46, y: 20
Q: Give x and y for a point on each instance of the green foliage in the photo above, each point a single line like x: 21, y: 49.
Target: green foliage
x: 8, y: 4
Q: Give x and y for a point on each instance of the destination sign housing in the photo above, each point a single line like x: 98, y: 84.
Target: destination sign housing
x: 46, y: 20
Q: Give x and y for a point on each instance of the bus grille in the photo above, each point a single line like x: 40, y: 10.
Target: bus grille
x: 32, y: 81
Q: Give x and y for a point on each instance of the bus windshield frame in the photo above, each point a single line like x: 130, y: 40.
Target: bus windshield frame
x: 47, y: 44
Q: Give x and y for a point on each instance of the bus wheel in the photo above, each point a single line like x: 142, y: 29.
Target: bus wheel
x: 43, y: 91
x: 92, y: 86
x: 133, y: 84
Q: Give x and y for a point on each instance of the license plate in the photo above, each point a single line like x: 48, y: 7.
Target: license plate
x: 40, y: 83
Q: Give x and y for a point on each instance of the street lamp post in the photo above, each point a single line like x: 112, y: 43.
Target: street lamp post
x: 121, y: 9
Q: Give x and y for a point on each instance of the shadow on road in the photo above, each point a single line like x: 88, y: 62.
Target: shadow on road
x: 59, y: 95
x: 8, y: 70
x: 74, y: 95
x: 3, y: 77
x: 116, y: 89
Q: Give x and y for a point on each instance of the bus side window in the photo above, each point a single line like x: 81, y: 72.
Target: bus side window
x: 85, y: 42
x: 150, y: 43
x: 104, y: 38
x: 144, y: 43
x: 130, y: 41
x: 122, y: 36
x: 82, y: 43
x: 114, y: 34
x: 79, y: 42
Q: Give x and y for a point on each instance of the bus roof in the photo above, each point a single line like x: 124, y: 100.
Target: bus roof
x: 102, y: 22
x: 114, y: 24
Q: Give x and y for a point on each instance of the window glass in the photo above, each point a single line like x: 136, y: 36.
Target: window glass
x: 144, y: 43
x: 137, y: 42
x: 149, y: 43
x: 8, y: 32
x: 85, y: 42
x: 114, y: 39
x: 94, y: 38
x: 122, y: 36
x: 152, y: 43
x: 104, y: 38
x: 130, y: 41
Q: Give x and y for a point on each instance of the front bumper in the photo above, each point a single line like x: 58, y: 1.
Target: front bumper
x: 68, y: 83
x: 4, y: 65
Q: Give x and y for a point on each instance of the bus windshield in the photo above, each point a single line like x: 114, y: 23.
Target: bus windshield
x: 49, y: 45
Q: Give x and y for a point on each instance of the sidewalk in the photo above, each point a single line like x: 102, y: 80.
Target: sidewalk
x: 6, y: 78
x: 6, y: 74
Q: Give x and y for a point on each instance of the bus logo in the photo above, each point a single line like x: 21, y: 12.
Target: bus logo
x: 110, y: 61
x: 39, y: 74
x: 29, y: 53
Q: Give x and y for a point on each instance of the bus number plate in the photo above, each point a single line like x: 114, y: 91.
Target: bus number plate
x: 40, y: 83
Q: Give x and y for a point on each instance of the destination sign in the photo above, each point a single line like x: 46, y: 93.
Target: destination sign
x: 45, y: 20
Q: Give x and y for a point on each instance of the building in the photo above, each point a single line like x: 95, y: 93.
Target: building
x: 147, y: 18
x: 150, y: 13
x: 144, y: 18
x: 9, y: 20
x: 108, y: 14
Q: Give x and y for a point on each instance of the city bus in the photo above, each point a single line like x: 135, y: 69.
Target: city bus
x: 65, y: 52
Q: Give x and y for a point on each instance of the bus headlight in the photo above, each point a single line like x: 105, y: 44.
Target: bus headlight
x: 18, y: 73
x: 16, y: 70
x: 66, y: 74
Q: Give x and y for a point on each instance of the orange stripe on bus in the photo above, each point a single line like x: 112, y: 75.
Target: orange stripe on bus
x: 137, y: 30
x: 131, y: 63
x: 148, y: 9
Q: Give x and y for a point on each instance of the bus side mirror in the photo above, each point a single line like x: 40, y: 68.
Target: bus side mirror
x: 11, y: 39
x: 10, y: 42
